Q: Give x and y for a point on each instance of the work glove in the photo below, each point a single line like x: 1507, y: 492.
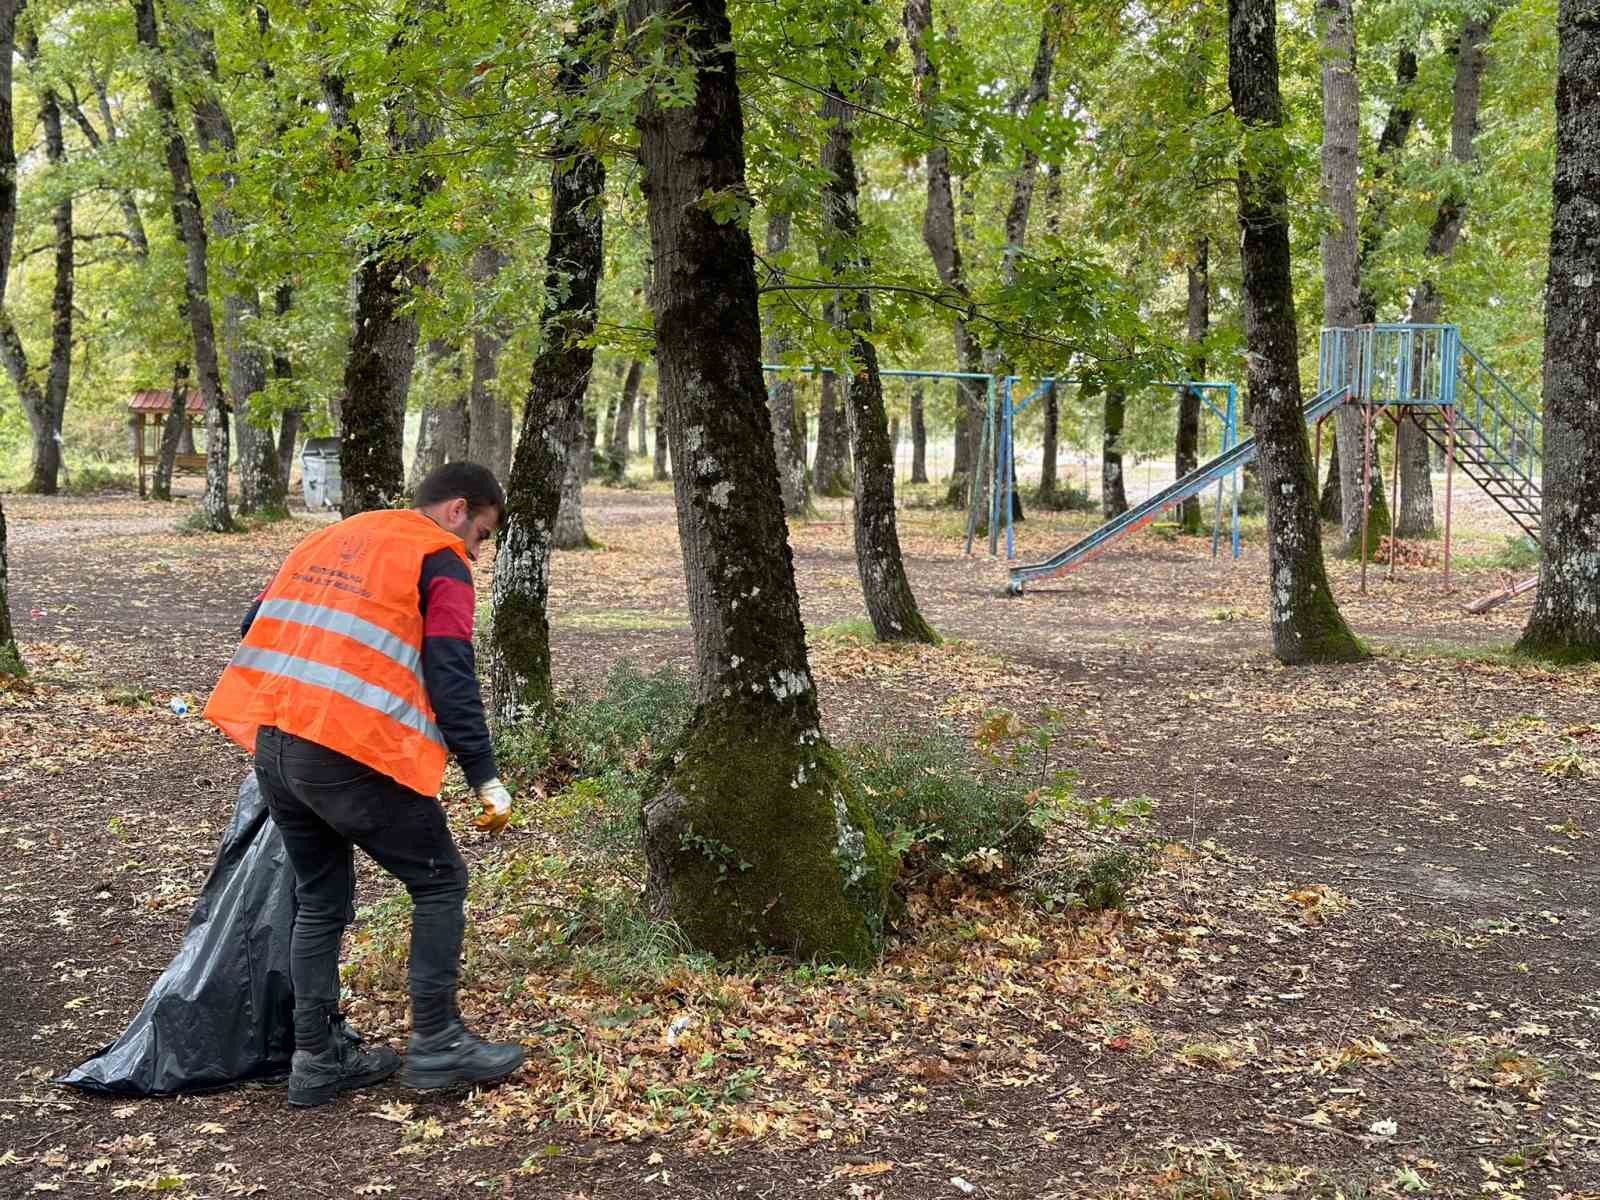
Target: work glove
x: 496, y: 804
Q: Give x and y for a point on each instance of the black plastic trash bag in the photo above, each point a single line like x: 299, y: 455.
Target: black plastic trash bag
x: 223, y: 1010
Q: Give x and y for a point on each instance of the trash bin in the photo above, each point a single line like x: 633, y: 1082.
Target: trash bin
x: 319, y: 473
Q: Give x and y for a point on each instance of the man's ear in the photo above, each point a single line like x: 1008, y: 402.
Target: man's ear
x: 456, y: 511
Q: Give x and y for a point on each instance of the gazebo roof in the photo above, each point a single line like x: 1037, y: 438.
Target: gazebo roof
x: 160, y: 401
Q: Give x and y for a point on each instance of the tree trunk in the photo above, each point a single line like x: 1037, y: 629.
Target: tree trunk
x: 643, y: 447
x: 11, y: 663
x: 1306, y: 623
x: 1186, y: 451
x: 622, y: 427
x: 1565, y: 623
x: 919, y: 436
x: 283, y: 369
x: 43, y: 405
x: 756, y: 838
x: 190, y: 226
x: 548, y: 451
x: 940, y: 236
x: 1341, y: 280
x: 570, y: 533
x: 1113, y: 493
x: 172, y: 432
x: 261, y: 485
x: 831, y: 474
x: 383, y: 342
x: 661, y: 444
x: 1375, y: 217
x: 787, y: 443
x: 1331, y: 506
x: 1023, y: 183
x: 488, y: 340
x: 887, y: 590
x: 1412, y: 445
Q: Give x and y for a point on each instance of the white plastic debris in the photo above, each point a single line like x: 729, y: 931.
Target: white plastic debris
x: 679, y: 1024
x: 961, y: 1185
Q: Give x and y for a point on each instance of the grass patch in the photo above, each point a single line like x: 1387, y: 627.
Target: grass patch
x: 1517, y: 553
x: 855, y: 629
x: 623, y: 619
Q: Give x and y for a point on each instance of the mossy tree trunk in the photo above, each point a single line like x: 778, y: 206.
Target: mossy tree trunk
x: 879, y: 563
x: 1566, y: 616
x: 553, y: 433
x: 754, y: 837
x: 10, y: 657
x: 1306, y: 623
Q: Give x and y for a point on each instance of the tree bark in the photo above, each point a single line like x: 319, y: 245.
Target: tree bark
x: 11, y: 663
x: 570, y: 533
x: 1415, y: 518
x: 190, y: 226
x: 787, y: 445
x: 283, y: 369
x: 661, y: 473
x: 1341, y: 278
x: 172, y: 431
x: 939, y: 234
x: 383, y: 342
x: 488, y: 340
x: 832, y: 471
x: 44, y: 406
x: 622, y: 427
x: 1565, y: 623
x: 1306, y: 623
x: 1113, y: 492
x: 261, y: 484
x: 552, y: 418
x: 756, y: 836
x: 1186, y: 451
x: 1023, y: 182
x: 1331, y: 506
x: 643, y: 447
x: 879, y: 563
x: 919, y: 436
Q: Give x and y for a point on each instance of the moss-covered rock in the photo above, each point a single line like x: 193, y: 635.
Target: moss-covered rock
x: 757, y: 840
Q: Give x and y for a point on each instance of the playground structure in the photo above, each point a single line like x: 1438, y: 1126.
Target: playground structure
x: 1422, y: 373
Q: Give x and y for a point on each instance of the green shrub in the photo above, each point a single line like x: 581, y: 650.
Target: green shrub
x: 595, y: 757
x: 940, y: 813
x: 1061, y: 499
x: 1104, y: 881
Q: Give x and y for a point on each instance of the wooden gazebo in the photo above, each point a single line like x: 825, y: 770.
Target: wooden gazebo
x: 152, y: 408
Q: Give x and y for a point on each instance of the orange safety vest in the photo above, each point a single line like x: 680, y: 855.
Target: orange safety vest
x: 334, y: 654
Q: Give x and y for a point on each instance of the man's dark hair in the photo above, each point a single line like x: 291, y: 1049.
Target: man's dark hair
x: 463, y: 481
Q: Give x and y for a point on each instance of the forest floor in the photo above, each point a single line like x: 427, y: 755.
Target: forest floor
x: 1362, y: 960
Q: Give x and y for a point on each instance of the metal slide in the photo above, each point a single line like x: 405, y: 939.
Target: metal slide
x: 1142, y: 514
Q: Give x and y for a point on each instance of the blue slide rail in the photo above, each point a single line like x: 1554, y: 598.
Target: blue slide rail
x: 1142, y: 514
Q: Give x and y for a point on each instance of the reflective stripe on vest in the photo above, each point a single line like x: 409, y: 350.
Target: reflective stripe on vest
x: 340, y: 682
x: 357, y: 629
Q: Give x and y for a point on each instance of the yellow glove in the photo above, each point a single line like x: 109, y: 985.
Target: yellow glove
x: 496, y: 803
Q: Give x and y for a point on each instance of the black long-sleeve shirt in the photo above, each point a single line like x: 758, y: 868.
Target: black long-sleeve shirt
x: 447, y: 602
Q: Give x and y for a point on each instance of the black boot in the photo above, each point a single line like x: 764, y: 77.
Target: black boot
x: 345, y: 1064
x: 455, y: 1056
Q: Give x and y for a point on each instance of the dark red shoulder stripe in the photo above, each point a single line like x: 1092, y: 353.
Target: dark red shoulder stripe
x: 449, y: 608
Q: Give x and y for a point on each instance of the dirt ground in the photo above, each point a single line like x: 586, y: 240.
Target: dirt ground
x: 1376, y: 929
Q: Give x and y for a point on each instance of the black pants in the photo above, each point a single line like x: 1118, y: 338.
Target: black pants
x: 325, y: 804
